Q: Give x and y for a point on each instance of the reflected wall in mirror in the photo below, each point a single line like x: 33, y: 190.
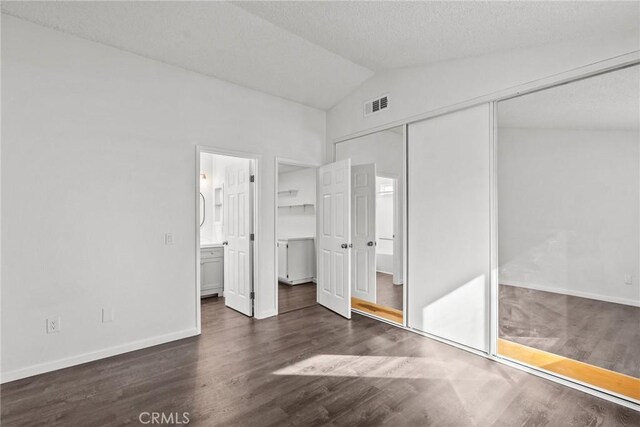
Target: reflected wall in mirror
x: 376, y: 214
x: 568, y: 164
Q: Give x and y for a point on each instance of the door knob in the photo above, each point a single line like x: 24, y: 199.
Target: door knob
x: 344, y: 246
x: 369, y: 243
x: 225, y: 243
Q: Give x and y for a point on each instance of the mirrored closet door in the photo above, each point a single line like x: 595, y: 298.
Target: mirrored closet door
x: 377, y: 183
x: 568, y: 178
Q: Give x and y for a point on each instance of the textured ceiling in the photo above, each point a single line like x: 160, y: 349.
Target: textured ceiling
x: 316, y: 53
x: 607, y: 101
x: 213, y: 38
x: 383, y: 35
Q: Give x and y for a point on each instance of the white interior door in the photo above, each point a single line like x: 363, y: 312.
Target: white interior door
x: 238, y: 223
x: 363, y: 232
x: 334, y: 235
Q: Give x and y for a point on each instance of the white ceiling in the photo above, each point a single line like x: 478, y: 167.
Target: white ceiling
x: 217, y: 39
x: 607, y: 101
x: 383, y: 35
x: 315, y: 53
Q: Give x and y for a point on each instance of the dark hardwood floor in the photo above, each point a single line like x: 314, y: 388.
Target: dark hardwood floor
x: 600, y: 333
x: 296, y: 297
x: 388, y: 294
x: 307, y: 367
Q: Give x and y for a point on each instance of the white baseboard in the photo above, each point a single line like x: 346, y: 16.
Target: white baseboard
x: 94, y: 355
x: 265, y: 314
x: 572, y: 292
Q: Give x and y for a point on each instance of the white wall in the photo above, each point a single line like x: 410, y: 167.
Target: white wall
x: 569, y: 211
x: 98, y: 163
x: 418, y: 90
x: 297, y: 221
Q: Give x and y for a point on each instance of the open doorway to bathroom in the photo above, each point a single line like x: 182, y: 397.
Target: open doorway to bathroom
x: 226, y: 231
x: 295, y: 235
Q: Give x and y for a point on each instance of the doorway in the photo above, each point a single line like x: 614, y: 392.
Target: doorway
x: 226, y: 212
x: 295, y: 226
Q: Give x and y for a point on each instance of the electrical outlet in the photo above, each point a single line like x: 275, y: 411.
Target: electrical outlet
x: 628, y: 279
x: 168, y: 238
x: 54, y: 325
x: 107, y: 315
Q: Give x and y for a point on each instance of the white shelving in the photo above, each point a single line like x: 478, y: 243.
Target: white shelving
x: 300, y: 205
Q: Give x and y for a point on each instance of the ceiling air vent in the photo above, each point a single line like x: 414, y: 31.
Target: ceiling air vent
x: 376, y: 105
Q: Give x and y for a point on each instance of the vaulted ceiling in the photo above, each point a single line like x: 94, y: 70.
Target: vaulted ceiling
x: 316, y: 53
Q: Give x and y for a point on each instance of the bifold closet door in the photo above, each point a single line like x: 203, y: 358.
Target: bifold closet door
x: 449, y: 226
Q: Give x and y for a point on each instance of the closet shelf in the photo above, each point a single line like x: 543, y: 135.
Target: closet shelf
x: 287, y: 192
x: 302, y: 205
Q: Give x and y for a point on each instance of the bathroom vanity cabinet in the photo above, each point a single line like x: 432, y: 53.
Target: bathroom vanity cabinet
x: 211, y: 270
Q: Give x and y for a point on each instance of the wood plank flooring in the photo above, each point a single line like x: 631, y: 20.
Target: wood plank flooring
x: 590, y: 374
x: 388, y: 294
x: 599, y: 333
x: 308, y: 367
x: 377, y: 310
x: 296, y: 297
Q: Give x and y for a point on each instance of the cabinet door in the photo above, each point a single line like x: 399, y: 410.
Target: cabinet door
x: 300, y: 267
x: 211, y: 274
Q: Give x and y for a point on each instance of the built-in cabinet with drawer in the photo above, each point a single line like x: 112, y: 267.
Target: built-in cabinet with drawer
x: 211, y: 271
x: 296, y: 260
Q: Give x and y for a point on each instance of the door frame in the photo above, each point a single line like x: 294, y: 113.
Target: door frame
x: 255, y: 256
x: 397, y: 213
x: 289, y: 162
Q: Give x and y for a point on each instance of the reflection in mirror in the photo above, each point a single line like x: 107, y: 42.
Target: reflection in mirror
x: 376, y: 216
x: 569, y: 230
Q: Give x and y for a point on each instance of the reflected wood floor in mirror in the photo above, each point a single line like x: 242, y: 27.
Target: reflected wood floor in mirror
x: 596, y: 332
x: 388, y: 294
x: 382, y: 311
x: 296, y: 297
x: 306, y: 367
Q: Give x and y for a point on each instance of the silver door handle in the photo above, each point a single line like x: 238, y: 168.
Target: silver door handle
x: 370, y: 243
x: 225, y: 243
x: 344, y: 246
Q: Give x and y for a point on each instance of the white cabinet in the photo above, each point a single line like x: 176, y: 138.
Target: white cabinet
x: 211, y: 271
x: 296, y: 260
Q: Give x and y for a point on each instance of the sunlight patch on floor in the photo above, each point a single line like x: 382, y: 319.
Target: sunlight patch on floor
x: 340, y: 365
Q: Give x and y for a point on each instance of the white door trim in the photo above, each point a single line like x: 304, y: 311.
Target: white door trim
x: 397, y: 212
x: 289, y: 162
x: 257, y: 159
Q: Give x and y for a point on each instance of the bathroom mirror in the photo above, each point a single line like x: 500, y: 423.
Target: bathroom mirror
x: 377, y: 222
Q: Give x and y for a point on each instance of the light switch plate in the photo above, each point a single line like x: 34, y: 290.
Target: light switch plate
x: 54, y: 325
x: 107, y: 315
x: 168, y: 238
